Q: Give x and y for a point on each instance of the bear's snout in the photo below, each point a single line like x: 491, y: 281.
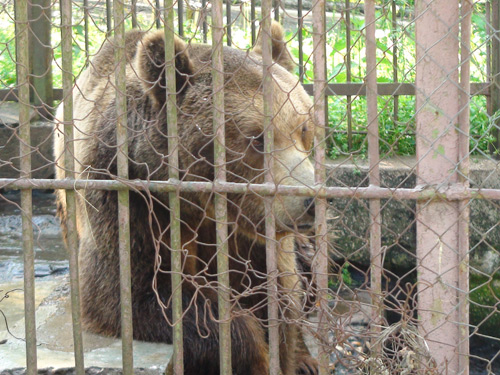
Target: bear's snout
x: 309, y: 205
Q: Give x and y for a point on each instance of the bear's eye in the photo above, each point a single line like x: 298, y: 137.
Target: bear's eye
x: 258, y: 143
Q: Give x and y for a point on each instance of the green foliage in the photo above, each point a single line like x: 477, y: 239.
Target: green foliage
x: 485, y: 299
x: 343, y: 278
x: 7, y: 52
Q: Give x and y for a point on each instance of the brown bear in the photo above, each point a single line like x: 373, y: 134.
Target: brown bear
x: 97, y: 221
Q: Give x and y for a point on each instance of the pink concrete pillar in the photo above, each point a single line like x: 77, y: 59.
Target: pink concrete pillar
x: 438, y: 98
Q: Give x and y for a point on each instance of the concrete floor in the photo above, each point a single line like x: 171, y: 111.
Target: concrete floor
x: 54, y: 333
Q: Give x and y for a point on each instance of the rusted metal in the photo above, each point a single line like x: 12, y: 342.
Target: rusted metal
x: 437, y: 103
x: 348, y: 67
x: 173, y: 196
x: 123, y: 196
x: 180, y: 16
x: 452, y: 192
x: 224, y: 289
x: 270, y: 230
x: 394, y: 25
x: 204, y: 15
x: 157, y: 10
x: 376, y: 265
x: 133, y: 11
x: 495, y: 74
x: 69, y: 165
x: 338, y: 89
x: 300, y: 22
x: 22, y: 47
x: 86, y: 29
x: 488, y: 23
x: 109, y: 21
x: 252, y: 23
x: 321, y: 258
x: 41, y: 56
x: 463, y: 205
x: 228, y: 22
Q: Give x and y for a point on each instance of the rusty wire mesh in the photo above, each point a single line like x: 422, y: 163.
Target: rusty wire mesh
x: 317, y: 196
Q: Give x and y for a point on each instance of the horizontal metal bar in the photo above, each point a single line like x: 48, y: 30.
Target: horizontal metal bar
x: 333, y: 89
x: 388, y: 89
x: 451, y: 192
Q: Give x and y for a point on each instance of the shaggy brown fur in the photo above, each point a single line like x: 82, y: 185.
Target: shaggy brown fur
x: 97, y: 224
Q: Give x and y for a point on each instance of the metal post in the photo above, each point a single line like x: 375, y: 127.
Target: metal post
x: 173, y: 197
x: 271, y: 260
x: 321, y: 259
x: 204, y: 15
x: 109, y: 21
x: 69, y: 165
x: 463, y: 205
x: 224, y: 289
x: 134, y: 14
x: 157, y: 14
x: 300, y: 22
x: 253, y: 19
x: 228, y: 21
x: 376, y: 265
x: 348, y: 71
x: 123, y: 196
x: 495, y: 75
x: 180, y: 16
x: 41, y: 56
x: 86, y: 29
x: 395, y: 57
x: 438, y: 98
x: 22, y: 43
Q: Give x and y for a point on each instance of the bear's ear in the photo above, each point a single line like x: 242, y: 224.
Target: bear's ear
x: 281, y: 55
x: 150, y: 65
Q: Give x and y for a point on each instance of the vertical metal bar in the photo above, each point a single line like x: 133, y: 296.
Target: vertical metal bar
x: 321, y: 260
x: 349, y: 71
x: 109, y: 22
x: 134, y: 14
x: 174, y: 201
x: 41, y: 56
x: 157, y: 14
x: 463, y: 206
x: 69, y: 165
x: 495, y: 72
x: 224, y: 289
x: 204, y: 14
x: 276, y: 8
x: 437, y: 106
x: 86, y: 29
x: 228, y: 22
x: 22, y: 48
x: 123, y: 195
x: 180, y: 16
x: 271, y: 261
x: 395, y: 57
x: 252, y: 16
x: 488, y: 53
x: 300, y: 22
x: 374, y: 160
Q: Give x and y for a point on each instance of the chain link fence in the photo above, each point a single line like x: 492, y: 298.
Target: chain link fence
x: 268, y: 187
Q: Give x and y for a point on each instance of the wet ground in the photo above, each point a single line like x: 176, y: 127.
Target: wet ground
x: 49, y: 248
x: 53, y: 314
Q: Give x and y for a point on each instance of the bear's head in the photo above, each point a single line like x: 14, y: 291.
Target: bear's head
x: 244, y: 125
